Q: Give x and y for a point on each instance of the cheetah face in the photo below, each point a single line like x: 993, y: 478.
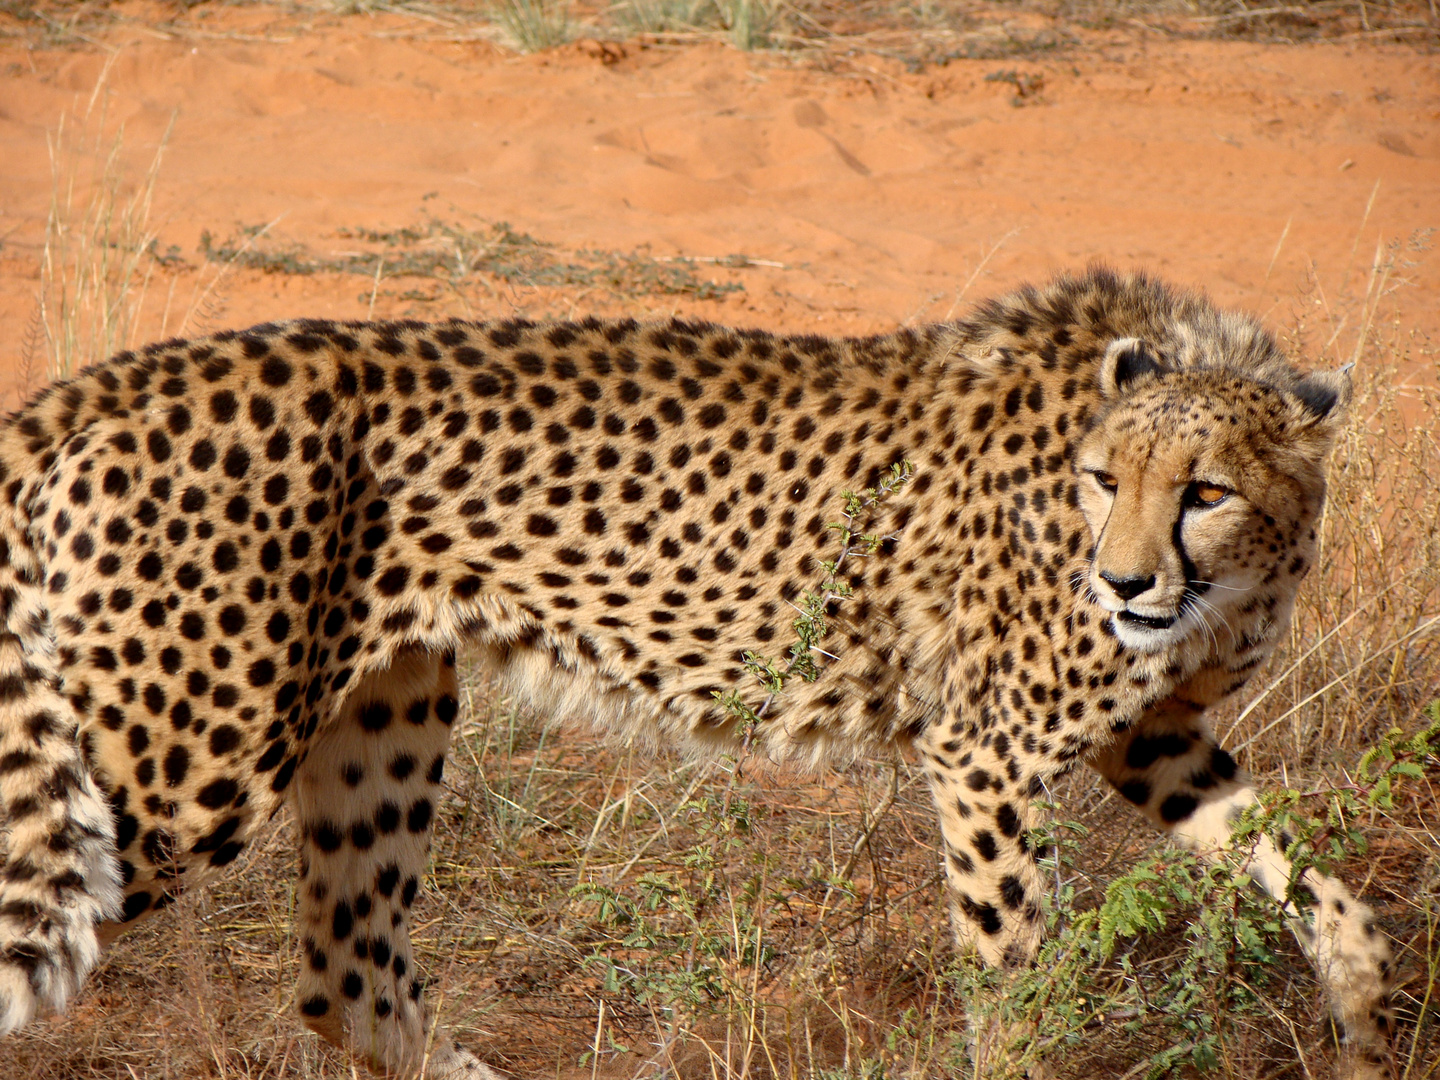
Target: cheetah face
x: 1201, y: 492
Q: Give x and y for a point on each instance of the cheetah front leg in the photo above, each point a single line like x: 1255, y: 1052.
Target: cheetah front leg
x: 992, y: 879
x: 1172, y: 769
x: 364, y: 798
x: 993, y: 882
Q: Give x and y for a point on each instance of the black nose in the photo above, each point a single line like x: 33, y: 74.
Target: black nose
x: 1127, y: 588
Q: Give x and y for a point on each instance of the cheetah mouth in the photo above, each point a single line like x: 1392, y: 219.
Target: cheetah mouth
x: 1150, y: 622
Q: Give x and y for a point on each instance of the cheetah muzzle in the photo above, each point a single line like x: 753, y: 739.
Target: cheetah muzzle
x: 234, y: 572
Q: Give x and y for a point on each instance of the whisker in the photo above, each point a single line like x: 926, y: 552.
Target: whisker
x: 1200, y: 604
x: 1193, y: 602
x: 1217, y: 585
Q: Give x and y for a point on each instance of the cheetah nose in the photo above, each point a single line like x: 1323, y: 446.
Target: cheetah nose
x: 1127, y: 588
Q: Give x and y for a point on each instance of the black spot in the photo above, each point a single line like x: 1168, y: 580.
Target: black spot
x: 984, y: 914
x: 274, y: 371
x: 1008, y: 820
x: 1222, y: 764
x: 217, y: 794
x: 318, y: 406
x: 158, y: 445
x: 1144, y: 750
x: 226, y: 557
x: 177, y: 765
x: 984, y: 842
x: 1135, y: 791
x: 1177, y: 808
x: 392, y: 581
x: 376, y: 716
x: 418, y: 820
x: 1012, y: 892
x: 402, y: 766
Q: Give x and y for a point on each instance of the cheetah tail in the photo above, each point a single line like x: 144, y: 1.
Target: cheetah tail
x: 59, y: 875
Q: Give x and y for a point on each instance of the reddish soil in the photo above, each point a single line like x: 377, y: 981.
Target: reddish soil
x: 1256, y: 172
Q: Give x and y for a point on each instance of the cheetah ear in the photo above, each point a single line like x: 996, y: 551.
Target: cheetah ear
x: 1325, y: 395
x: 1127, y: 361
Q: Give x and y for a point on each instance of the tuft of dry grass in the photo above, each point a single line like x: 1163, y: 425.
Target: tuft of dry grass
x: 532, y: 25
x: 96, y: 266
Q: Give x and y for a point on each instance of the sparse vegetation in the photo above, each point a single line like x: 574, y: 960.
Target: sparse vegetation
x: 532, y: 25
x: 463, y: 260
x: 665, y: 16
x: 1027, y: 84
x: 749, y: 24
x: 921, y: 32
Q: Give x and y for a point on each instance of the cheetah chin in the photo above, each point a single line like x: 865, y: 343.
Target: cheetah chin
x: 234, y: 572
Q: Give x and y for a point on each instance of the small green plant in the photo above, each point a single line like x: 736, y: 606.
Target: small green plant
x: 1322, y: 839
x: 680, y: 942
x: 1078, y: 981
x: 810, y: 625
x: 1229, y: 943
x: 533, y: 25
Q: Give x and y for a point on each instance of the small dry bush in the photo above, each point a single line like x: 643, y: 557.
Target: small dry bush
x: 96, y: 265
x: 603, y: 912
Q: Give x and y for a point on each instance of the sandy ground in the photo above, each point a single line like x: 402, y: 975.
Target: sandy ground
x: 1256, y: 172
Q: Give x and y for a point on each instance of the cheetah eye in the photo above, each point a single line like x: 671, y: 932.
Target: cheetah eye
x: 1105, y: 480
x: 1202, y: 493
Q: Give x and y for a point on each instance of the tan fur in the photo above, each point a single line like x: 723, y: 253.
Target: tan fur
x: 256, y: 552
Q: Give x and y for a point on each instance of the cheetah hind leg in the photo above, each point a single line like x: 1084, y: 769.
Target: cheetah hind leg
x: 59, y: 875
x: 364, y: 798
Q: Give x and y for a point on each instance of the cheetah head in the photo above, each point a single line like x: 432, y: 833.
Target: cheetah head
x: 1201, y: 486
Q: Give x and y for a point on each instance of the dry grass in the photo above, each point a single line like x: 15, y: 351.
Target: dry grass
x: 597, y: 912
x: 96, y: 266
x: 918, y: 31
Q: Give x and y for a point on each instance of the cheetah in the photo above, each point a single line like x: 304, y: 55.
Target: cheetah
x: 234, y: 572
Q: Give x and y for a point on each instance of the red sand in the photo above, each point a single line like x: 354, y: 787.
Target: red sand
x: 882, y: 192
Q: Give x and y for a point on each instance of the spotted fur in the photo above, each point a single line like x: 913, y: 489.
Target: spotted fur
x: 234, y: 571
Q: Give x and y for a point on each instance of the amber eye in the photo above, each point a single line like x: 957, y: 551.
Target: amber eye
x: 1205, y: 494
x: 1105, y: 480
